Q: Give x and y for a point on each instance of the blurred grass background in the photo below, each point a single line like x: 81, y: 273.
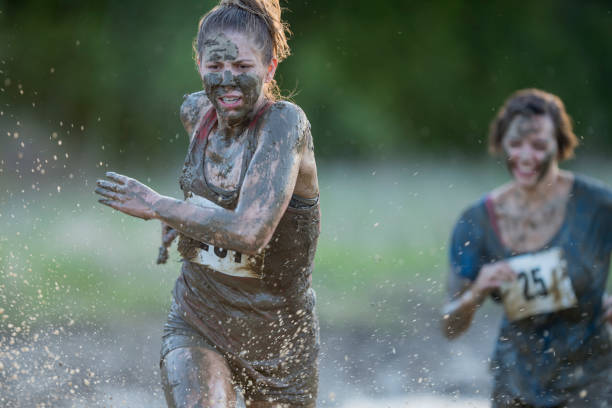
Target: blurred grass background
x: 374, y: 78
x: 399, y: 94
x: 382, y: 251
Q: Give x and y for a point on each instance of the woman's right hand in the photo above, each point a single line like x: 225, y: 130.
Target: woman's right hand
x: 491, y: 277
x: 168, y: 235
x: 466, y: 299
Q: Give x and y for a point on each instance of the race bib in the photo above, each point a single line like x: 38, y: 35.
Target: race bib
x: 222, y: 260
x: 229, y: 262
x: 542, y: 285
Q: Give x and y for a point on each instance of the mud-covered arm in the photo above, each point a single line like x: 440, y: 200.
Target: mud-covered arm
x: 462, y: 303
x: 470, y: 279
x: 264, y: 196
x: 192, y: 109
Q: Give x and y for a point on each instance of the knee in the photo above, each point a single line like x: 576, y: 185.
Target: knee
x: 190, y: 380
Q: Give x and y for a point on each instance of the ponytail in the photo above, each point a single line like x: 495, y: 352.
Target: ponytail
x: 260, y: 20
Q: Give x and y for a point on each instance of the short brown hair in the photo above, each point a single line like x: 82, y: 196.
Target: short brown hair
x: 530, y: 102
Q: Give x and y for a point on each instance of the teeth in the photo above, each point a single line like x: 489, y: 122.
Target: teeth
x: 229, y: 100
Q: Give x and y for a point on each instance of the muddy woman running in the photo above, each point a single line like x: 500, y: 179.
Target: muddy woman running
x: 243, y: 307
x: 541, y: 245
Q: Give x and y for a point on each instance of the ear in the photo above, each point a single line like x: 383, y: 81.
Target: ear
x: 271, y: 69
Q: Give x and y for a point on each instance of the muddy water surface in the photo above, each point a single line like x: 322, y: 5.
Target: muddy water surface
x: 117, y: 366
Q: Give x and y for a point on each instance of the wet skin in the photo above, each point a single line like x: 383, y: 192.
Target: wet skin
x: 531, y: 149
x: 529, y: 212
x: 194, y: 377
x: 265, y: 193
x: 531, y: 209
x: 282, y: 165
x: 233, y: 75
x: 191, y: 108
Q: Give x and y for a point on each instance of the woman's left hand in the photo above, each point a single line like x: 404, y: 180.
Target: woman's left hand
x: 607, y: 307
x: 127, y: 195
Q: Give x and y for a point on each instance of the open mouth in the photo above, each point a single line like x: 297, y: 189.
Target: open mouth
x: 525, y: 173
x: 229, y: 102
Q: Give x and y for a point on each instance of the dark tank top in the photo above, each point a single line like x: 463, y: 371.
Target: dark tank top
x: 258, y: 322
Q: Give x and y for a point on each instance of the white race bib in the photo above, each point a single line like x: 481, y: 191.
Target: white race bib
x: 229, y: 262
x: 222, y: 260
x: 542, y: 285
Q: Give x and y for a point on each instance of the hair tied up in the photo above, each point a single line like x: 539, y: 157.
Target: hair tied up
x: 252, y: 8
x: 236, y: 3
x: 270, y: 12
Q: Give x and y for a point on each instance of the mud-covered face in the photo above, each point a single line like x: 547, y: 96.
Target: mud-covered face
x: 234, y: 75
x: 531, y: 148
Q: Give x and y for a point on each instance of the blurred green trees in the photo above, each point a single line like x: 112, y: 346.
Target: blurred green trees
x: 375, y: 78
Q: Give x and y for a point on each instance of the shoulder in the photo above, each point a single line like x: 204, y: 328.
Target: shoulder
x: 286, y: 106
x: 467, y: 245
x: 471, y: 224
x: 475, y: 214
x: 592, y: 190
x: 191, y: 109
x: 286, y: 118
x: 289, y: 112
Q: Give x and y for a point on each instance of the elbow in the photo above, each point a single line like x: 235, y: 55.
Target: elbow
x: 253, y: 242
x: 251, y: 247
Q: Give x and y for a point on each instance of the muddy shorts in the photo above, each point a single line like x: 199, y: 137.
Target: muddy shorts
x: 177, y: 333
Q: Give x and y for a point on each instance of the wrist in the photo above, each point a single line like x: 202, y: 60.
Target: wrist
x: 157, y: 205
x: 476, y: 296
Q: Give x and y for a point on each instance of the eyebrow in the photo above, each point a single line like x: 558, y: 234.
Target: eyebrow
x: 240, y: 61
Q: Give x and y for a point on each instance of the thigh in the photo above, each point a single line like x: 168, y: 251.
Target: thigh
x: 197, y: 377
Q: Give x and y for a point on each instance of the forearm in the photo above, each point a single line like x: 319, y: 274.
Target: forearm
x: 458, y: 313
x: 216, y: 226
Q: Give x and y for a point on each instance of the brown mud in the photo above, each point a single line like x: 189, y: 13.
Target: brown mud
x: 117, y: 364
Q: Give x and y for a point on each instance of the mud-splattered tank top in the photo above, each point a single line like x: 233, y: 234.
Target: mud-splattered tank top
x: 265, y: 323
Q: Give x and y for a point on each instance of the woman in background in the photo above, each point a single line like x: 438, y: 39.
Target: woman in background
x: 541, y: 244
x: 243, y: 306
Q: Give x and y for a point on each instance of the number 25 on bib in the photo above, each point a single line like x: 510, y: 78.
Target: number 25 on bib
x: 542, y: 285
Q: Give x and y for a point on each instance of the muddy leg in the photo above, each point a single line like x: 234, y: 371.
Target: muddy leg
x: 196, y: 377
